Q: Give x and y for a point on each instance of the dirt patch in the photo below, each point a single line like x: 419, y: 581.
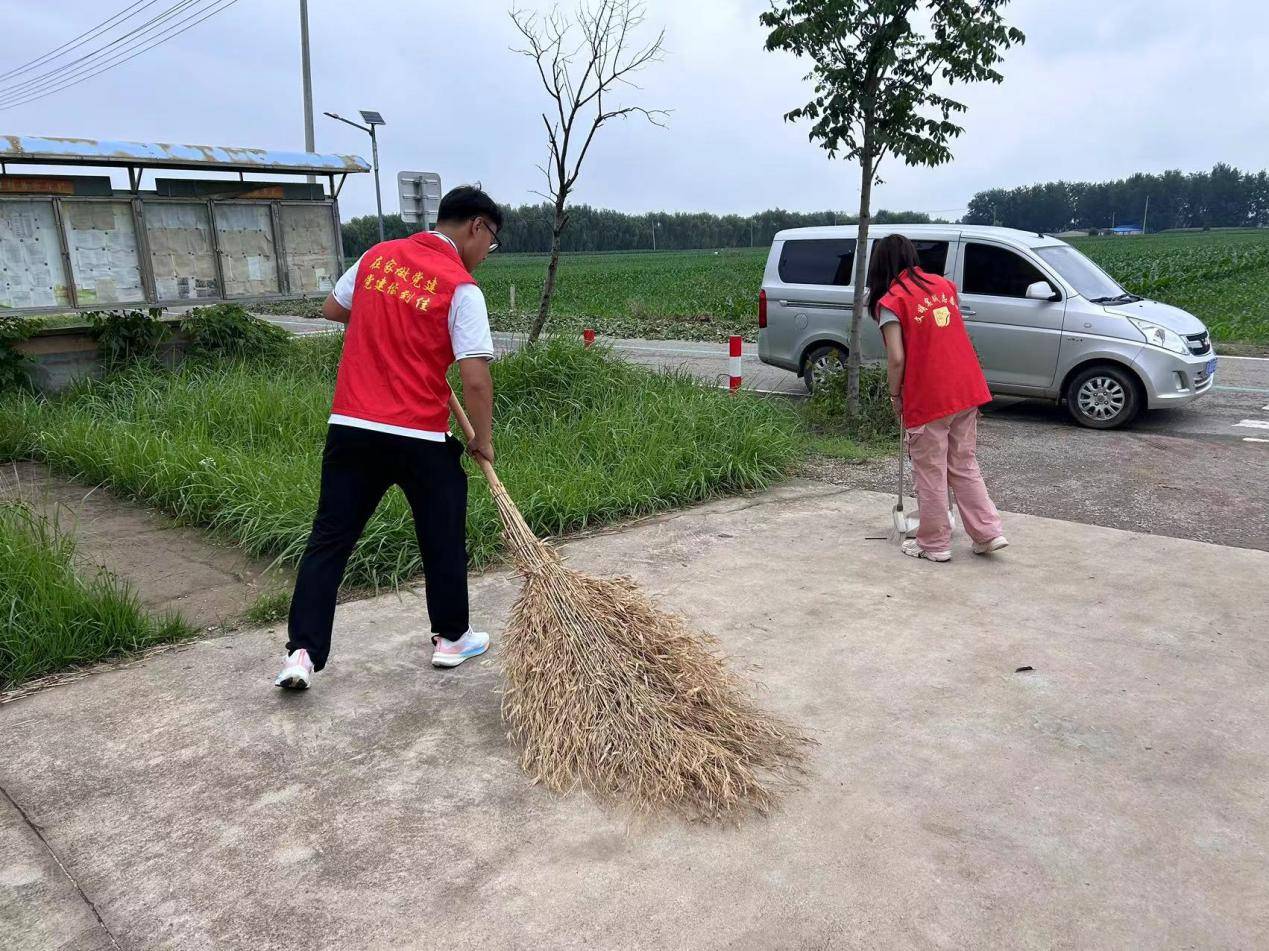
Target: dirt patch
x: 1204, y: 489
x: 171, y: 567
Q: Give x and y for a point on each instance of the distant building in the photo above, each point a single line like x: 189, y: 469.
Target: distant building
x: 1126, y: 230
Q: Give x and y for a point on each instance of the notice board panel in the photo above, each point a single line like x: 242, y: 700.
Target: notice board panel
x: 31, y: 270
x: 180, y: 240
x: 247, y: 257
x: 105, y: 261
x: 308, y: 235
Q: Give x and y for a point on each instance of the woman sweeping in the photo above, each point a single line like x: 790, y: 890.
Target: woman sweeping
x: 936, y: 386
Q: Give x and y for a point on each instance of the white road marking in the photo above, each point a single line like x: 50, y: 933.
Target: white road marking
x: 1253, y: 439
x: 1262, y: 359
x: 1254, y: 424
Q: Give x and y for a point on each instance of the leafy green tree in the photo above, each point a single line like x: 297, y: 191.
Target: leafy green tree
x: 878, y: 67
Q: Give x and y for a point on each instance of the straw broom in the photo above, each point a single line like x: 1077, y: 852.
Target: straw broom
x: 606, y: 692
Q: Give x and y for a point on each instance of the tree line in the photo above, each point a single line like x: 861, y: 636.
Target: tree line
x: 1222, y: 198
x: 1225, y: 197
x: 528, y: 228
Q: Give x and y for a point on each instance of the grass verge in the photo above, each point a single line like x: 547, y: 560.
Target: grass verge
x: 873, y: 432
x: 583, y: 439
x: 55, y: 618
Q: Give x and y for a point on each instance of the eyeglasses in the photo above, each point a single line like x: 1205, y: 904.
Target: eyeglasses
x: 494, y: 243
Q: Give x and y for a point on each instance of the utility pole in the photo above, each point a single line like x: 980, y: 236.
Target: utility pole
x: 1145, y: 215
x: 309, y: 143
x: 654, y: 234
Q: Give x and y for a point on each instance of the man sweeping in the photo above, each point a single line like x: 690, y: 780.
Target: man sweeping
x: 412, y: 309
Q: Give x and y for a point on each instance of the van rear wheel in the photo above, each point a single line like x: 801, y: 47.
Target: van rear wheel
x: 820, y: 362
x: 1103, y: 397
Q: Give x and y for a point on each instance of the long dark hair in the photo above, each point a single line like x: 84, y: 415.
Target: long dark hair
x: 894, y: 260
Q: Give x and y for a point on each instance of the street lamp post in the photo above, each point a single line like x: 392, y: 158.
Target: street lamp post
x: 372, y: 119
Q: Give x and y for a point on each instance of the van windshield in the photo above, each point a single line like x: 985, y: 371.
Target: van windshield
x: 1086, y: 277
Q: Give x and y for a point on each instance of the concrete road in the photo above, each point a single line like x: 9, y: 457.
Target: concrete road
x: 1110, y: 796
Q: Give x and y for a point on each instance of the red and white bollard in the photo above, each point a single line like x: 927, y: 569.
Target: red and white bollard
x: 588, y: 336
x: 734, y: 361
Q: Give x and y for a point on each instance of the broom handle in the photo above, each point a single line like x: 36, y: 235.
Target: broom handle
x: 465, y: 424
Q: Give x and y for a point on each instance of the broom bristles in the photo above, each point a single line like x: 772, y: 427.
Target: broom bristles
x: 609, y: 693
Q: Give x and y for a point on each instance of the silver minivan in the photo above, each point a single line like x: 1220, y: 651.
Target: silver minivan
x: 1046, y: 321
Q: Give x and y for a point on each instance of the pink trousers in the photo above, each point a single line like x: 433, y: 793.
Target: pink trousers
x: 943, y: 454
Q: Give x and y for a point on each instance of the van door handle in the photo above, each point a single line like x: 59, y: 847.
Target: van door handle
x: 814, y: 303
x: 968, y: 313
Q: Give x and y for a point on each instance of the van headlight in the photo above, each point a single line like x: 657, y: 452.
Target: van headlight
x: 1161, y: 337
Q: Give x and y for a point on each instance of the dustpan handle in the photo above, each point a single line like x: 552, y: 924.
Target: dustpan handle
x: 903, y: 450
x: 469, y: 431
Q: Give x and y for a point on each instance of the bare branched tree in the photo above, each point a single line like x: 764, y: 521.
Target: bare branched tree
x: 582, y: 60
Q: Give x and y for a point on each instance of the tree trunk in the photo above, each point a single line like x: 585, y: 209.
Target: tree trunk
x: 548, y: 290
x: 861, y: 273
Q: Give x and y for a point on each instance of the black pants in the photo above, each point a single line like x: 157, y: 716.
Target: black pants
x: 358, y: 467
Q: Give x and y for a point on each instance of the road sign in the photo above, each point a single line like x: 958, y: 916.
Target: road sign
x: 420, y: 196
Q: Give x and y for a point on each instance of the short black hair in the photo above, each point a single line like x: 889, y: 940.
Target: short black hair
x: 467, y: 202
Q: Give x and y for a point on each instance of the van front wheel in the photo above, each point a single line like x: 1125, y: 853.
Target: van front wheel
x: 1103, y: 397
x: 821, y: 362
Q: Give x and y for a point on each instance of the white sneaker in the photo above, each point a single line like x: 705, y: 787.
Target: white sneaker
x: 986, y: 548
x: 298, y: 672
x: 452, y: 653
x: 910, y: 547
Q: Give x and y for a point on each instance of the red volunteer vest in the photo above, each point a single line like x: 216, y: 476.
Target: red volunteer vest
x: 397, y: 348
x: 942, y: 375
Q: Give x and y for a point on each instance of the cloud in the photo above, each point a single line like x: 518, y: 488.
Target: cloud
x: 1098, y: 91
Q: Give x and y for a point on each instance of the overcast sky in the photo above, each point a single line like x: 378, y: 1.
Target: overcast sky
x: 1101, y: 89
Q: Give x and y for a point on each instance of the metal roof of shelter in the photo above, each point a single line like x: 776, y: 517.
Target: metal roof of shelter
x: 39, y: 150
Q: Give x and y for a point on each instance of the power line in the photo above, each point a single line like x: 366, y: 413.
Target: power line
x: 75, y: 41
x: 85, y: 62
x: 103, y: 67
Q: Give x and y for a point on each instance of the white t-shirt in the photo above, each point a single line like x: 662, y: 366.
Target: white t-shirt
x: 885, y: 316
x: 469, y: 335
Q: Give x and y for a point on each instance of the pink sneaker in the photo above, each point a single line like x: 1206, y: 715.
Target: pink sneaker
x: 298, y: 672
x: 452, y: 653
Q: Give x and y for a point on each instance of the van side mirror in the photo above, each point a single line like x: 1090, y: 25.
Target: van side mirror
x: 1043, y: 290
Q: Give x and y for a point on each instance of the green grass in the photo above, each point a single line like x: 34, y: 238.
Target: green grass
x: 683, y: 295
x: 270, y: 606
x: 53, y: 617
x: 1220, y: 276
x: 872, y: 433
x: 582, y: 438
x: 850, y: 450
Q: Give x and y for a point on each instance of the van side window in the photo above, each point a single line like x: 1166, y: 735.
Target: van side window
x: 829, y: 261
x: 933, y: 256
x: 997, y: 272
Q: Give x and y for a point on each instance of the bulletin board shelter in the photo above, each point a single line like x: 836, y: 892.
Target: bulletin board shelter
x: 74, y: 242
